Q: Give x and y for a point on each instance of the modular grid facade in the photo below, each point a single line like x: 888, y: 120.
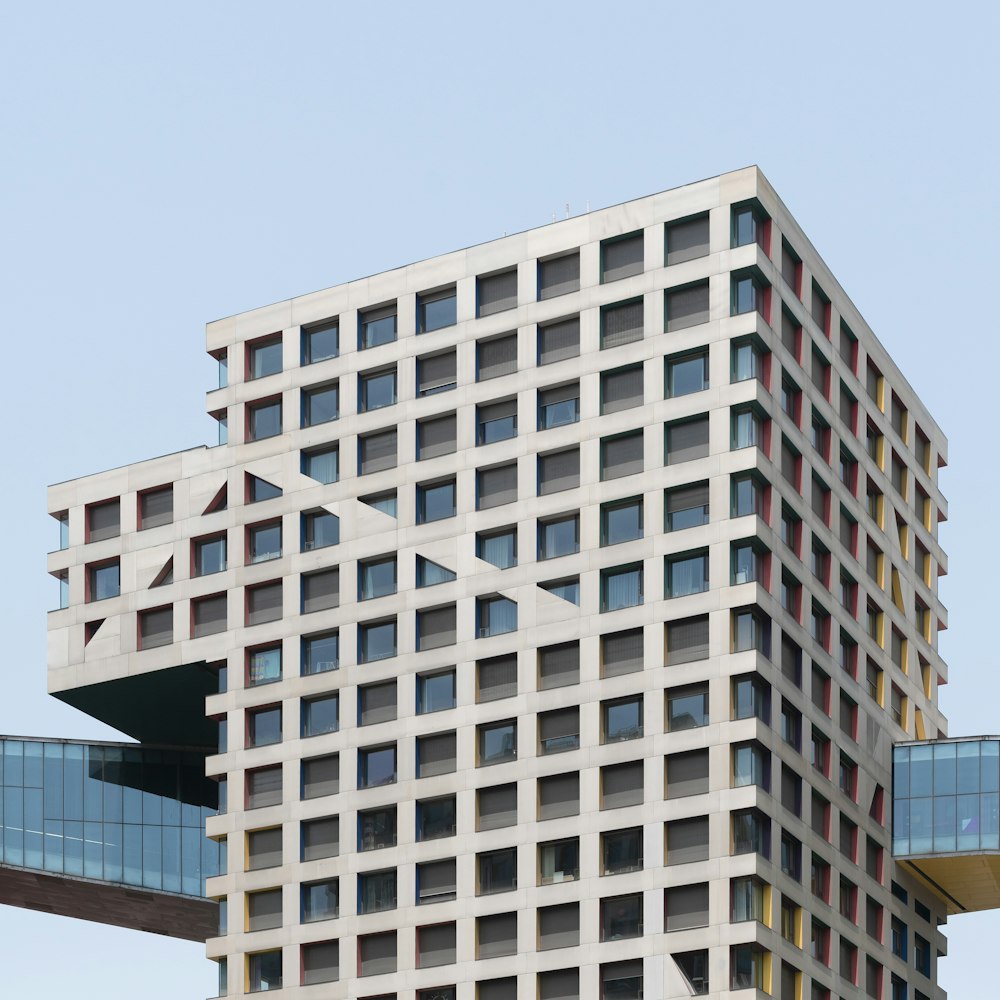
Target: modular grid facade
x: 566, y: 594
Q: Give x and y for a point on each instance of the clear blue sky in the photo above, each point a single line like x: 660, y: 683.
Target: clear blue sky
x: 164, y: 165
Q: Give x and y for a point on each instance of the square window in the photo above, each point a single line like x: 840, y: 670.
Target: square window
x: 263, y: 787
x: 622, y: 389
x: 377, y: 389
x: 622, y: 256
x: 621, y: 719
x: 687, y: 239
x: 435, y: 692
x: 435, y: 501
x: 320, y: 838
x: 156, y: 507
x: 320, y: 653
x: 436, y: 627
x: 686, y: 440
x: 264, y: 726
x: 264, y: 541
x: 156, y: 627
x: 686, y: 506
x: 320, y: 404
x: 621, y: 587
x: 558, y: 471
x: 104, y: 581
x: 686, y: 306
x: 377, y: 892
x: 559, y: 341
x: 265, y: 971
x: 264, y: 357
x: 559, y: 537
x: 686, y: 374
x: 621, y: 323
x: 376, y: 326
x: 209, y: 555
x: 322, y: 464
x: 377, y: 829
x: 376, y: 578
x: 320, y: 776
x: 687, y: 707
x: 208, y: 615
x: 436, y: 818
x: 377, y: 640
x: 320, y: 715
x: 320, y: 529
x: 496, y: 357
x: 377, y: 451
x: 558, y: 406
x: 496, y: 292
x: 621, y: 455
x: 496, y: 421
x: 320, y: 590
x: 436, y: 373
x: 496, y: 615
x: 376, y: 766
x: 559, y: 861
x: 263, y: 665
x: 436, y: 754
x: 263, y: 419
x: 436, y: 436
x: 559, y: 275
x: 497, y: 742
x: 499, y: 548
x: 436, y: 310
x: 687, y: 574
x: 320, y: 900
x: 320, y: 341
x: 497, y: 871
x: 621, y: 521
x: 377, y: 703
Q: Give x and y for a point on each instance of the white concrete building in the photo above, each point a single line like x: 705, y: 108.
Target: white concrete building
x: 557, y: 602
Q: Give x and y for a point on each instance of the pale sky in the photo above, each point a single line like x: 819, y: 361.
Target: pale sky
x: 166, y: 165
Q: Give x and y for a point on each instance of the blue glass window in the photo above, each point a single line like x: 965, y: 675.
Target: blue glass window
x: 265, y: 542
x: 104, y: 581
x: 687, y: 374
x: 621, y: 587
x: 320, y: 715
x: 320, y: 900
x: 378, y: 390
x: 435, y: 692
x: 378, y: 641
x: 264, y: 726
x: 264, y: 666
x: 385, y: 502
x: 320, y: 528
x: 376, y: 327
x: 498, y: 547
x: 376, y: 766
x: 497, y: 615
x: 622, y: 719
x: 265, y: 358
x: 320, y: 405
x: 559, y: 537
x: 621, y: 521
x: 435, y: 502
x: 210, y: 556
x: 436, y: 310
x: 321, y: 653
x: 265, y: 420
x: 320, y: 342
x: 377, y: 578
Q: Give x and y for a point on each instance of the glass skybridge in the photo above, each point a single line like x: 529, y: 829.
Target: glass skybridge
x: 946, y: 818
x: 112, y: 832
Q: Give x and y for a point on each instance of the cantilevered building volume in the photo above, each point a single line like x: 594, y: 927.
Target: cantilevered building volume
x: 546, y: 617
